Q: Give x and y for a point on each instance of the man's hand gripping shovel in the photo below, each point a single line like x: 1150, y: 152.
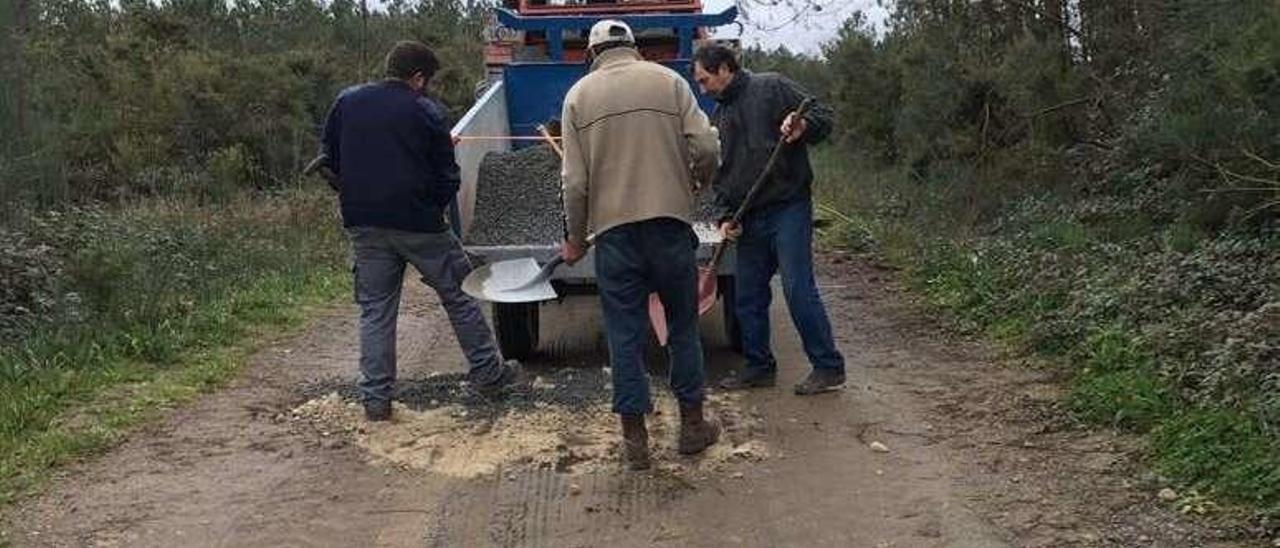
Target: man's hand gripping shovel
x: 708, y: 273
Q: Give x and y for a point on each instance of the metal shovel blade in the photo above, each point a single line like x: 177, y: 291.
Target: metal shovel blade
x: 514, y: 281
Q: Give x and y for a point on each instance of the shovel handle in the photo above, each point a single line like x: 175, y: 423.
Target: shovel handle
x: 550, y: 267
x: 551, y: 140
x: 558, y: 260
x: 768, y: 167
x: 718, y: 253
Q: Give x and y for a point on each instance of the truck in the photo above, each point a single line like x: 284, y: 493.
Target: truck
x: 535, y: 50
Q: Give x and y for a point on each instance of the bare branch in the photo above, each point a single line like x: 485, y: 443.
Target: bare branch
x: 799, y: 9
x: 1061, y: 106
x: 20, y: 37
x: 1259, y: 159
x: 1230, y: 177
x: 1252, y: 179
x: 1274, y: 204
x: 1236, y: 189
x: 1066, y: 26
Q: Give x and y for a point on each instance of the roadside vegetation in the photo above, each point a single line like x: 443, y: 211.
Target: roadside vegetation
x: 1094, y: 182
x: 1097, y: 183
x: 153, y: 227
x: 136, y: 308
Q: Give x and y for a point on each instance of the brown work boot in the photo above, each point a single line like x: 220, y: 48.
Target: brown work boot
x: 696, y: 432
x: 635, y: 442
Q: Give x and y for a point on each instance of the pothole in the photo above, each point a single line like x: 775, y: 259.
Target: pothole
x: 562, y: 421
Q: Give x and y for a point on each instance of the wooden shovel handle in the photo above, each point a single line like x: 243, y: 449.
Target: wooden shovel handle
x: 756, y: 186
x: 546, y: 135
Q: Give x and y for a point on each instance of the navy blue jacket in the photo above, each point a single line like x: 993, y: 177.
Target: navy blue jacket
x: 393, y: 154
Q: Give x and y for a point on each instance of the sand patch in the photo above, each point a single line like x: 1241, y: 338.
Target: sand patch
x: 455, y: 441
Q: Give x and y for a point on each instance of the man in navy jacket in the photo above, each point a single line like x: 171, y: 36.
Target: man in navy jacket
x: 392, y: 153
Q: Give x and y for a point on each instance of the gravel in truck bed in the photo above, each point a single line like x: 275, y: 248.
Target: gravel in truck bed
x: 518, y: 199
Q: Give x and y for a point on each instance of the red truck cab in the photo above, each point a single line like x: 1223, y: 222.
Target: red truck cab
x: 504, y: 46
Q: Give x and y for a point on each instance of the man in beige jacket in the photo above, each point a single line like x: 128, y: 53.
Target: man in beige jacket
x: 636, y: 148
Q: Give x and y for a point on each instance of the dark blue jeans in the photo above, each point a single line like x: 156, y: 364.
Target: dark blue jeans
x: 780, y: 238
x: 632, y: 261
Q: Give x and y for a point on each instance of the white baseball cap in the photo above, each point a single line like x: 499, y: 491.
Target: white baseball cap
x: 610, y: 30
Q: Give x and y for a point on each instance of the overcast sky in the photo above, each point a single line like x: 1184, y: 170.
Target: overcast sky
x: 805, y: 34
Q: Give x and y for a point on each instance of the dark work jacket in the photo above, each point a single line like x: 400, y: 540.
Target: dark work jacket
x: 392, y: 152
x: 749, y: 116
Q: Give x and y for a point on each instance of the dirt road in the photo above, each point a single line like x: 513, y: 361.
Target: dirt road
x: 933, y: 443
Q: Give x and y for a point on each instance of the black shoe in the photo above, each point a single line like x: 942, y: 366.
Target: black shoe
x: 751, y: 378
x: 819, y: 381
x: 509, y: 379
x: 377, y: 410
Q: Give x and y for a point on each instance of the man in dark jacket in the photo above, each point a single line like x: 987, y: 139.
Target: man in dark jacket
x: 392, y: 153
x: 754, y: 113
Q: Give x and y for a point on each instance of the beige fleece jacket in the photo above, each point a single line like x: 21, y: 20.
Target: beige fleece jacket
x: 636, y: 145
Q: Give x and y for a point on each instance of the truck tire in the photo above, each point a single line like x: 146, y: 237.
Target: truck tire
x: 516, y: 325
x: 732, y: 330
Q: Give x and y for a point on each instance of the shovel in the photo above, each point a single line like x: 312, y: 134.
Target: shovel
x: 708, y: 274
x: 516, y: 280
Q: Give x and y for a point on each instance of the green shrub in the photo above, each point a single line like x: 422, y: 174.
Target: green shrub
x: 1223, y: 453
x: 1103, y: 193
x: 1118, y: 383
x: 1135, y: 400
x: 128, y: 99
x: 230, y: 168
x: 151, y: 295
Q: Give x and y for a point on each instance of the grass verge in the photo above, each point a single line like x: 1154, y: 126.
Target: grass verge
x: 1171, y: 338
x: 150, y: 306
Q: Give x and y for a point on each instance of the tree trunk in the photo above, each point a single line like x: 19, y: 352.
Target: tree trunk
x: 364, y: 41
x: 20, y: 66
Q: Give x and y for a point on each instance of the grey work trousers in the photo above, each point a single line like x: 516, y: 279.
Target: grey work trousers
x: 380, y: 257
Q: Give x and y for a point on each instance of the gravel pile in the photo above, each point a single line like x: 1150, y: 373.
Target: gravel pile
x: 703, y: 206
x: 518, y: 199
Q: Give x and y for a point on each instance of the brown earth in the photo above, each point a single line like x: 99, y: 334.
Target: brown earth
x: 936, y: 441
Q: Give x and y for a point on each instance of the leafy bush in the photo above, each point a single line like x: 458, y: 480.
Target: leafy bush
x: 28, y: 288
x: 1098, y: 182
x: 1118, y: 384
x: 1153, y: 333
x: 1223, y: 453
x: 136, y: 98
x: 129, y: 295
